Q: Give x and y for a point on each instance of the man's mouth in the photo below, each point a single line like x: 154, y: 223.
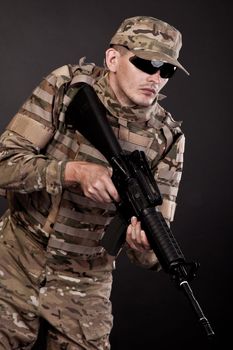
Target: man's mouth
x: 149, y: 91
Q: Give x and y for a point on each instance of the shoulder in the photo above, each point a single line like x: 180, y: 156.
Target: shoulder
x: 60, y: 76
x: 67, y: 74
x: 166, y: 118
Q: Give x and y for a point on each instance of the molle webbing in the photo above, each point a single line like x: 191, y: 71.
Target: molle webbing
x: 79, y: 224
x: 76, y: 223
x: 31, y: 130
x: 82, y: 250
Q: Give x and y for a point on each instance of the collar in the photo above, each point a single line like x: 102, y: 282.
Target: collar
x: 109, y: 100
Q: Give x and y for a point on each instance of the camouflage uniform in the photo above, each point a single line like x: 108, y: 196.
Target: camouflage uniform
x: 51, y: 264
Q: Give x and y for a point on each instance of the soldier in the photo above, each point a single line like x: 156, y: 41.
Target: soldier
x: 61, y: 195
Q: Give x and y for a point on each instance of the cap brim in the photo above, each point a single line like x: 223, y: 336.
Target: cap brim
x: 151, y: 55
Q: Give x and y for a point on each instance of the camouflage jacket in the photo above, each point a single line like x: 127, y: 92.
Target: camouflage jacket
x: 37, y: 144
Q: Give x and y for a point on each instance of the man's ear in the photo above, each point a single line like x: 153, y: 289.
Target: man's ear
x: 111, y: 59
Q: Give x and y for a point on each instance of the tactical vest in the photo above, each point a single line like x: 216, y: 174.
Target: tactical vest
x: 75, y: 224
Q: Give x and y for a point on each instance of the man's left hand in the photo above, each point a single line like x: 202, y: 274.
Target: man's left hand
x: 136, y: 237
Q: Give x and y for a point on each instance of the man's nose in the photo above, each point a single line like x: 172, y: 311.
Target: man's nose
x: 155, y: 77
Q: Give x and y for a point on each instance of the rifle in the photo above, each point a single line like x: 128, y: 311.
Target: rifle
x: 139, y: 195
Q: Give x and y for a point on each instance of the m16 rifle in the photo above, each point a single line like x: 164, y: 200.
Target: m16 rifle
x: 139, y: 195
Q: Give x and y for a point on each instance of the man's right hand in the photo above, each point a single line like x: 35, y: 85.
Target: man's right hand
x: 94, y: 179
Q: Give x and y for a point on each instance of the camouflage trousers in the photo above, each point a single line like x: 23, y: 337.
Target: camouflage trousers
x: 76, y: 305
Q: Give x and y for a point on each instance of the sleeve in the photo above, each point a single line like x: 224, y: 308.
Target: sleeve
x: 23, y: 166
x: 146, y: 260
x: 168, y: 175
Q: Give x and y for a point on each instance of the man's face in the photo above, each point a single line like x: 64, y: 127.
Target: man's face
x: 131, y: 85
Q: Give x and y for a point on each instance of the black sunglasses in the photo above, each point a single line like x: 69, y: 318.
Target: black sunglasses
x: 151, y: 67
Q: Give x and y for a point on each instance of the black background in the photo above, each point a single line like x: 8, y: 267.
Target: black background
x: 39, y: 36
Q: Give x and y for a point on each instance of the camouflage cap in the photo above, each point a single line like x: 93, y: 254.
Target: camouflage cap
x: 150, y: 38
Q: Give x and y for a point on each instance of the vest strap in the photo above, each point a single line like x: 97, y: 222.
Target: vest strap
x: 82, y: 78
x: 31, y: 130
x: 51, y: 219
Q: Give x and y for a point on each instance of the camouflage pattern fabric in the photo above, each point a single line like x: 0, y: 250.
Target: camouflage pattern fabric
x: 150, y: 38
x: 61, y: 273
x: 76, y: 305
x: 154, y: 131
x: 35, y: 177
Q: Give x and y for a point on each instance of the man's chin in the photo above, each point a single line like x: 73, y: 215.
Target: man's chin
x: 146, y: 102
x: 142, y: 100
